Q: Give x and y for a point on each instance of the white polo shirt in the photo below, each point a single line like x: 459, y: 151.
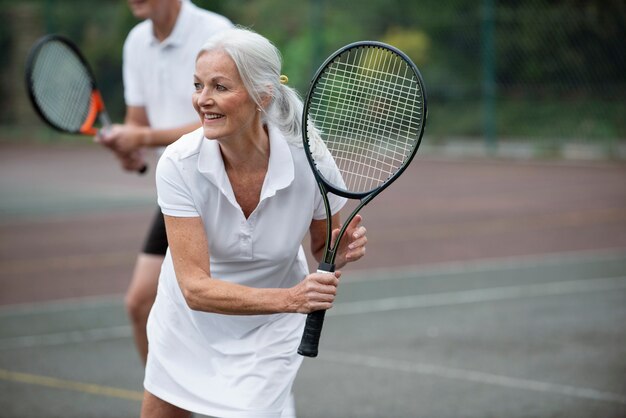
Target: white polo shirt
x: 230, y: 365
x: 159, y: 75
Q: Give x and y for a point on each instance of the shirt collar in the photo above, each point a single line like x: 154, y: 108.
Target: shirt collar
x: 280, y: 171
x: 180, y: 27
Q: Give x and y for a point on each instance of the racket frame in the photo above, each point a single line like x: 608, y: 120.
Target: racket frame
x: 97, y: 108
x: 310, y: 338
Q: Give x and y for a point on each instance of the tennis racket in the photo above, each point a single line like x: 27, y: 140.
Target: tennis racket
x: 62, y: 88
x: 366, y: 106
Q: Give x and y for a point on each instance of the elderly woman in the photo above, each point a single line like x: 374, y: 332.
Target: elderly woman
x: 238, y: 198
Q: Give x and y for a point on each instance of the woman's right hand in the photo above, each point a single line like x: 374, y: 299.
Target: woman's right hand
x: 316, y: 292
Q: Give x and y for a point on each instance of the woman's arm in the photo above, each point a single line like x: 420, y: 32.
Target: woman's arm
x: 190, y: 254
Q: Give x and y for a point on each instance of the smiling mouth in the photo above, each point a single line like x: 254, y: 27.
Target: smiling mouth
x: 212, y: 116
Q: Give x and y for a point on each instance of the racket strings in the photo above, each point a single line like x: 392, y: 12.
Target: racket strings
x: 396, y: 125
x: 62, y: 86
x: 368, y: 108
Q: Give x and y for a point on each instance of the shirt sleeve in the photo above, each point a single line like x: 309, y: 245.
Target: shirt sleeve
x: 131, y: 73
x: 336, y: 204
x: 173, y: 193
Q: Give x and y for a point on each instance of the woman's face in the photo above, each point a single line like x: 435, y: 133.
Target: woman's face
x: 225, y: 108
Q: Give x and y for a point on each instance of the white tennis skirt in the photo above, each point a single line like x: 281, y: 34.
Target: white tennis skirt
x: 221, y: 365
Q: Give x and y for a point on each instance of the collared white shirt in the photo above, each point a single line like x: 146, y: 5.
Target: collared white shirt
x: 229, y: 365
x: 159, y: 75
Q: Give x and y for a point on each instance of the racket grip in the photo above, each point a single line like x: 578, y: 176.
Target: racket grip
x: 314, y: 323
x: 312, y: 332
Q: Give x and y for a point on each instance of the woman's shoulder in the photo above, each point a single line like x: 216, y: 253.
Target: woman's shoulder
x: 186, y: 146
x: 294, y: 142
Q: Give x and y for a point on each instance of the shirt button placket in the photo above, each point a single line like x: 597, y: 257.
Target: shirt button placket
x: 246, y: 240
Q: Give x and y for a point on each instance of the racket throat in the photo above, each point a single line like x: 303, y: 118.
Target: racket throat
x: 325, y: 267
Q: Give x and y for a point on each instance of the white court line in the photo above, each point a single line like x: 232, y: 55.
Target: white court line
x: 65, y: 338
x: 361, y: 307
x: 470, y: 376
x: 479, y: 295
x: 62, y: 305
x: 483, y: 265
x: 357, y: 276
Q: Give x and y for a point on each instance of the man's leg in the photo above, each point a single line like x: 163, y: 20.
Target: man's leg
x: 143, y: 285
x: 140, y: 298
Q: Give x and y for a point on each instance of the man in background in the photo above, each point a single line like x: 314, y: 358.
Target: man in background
x: 158, y: 67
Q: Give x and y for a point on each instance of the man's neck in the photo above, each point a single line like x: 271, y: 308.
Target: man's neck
x: 165, y: 19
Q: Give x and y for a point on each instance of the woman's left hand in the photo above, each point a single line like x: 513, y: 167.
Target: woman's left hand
x: 352, y: 245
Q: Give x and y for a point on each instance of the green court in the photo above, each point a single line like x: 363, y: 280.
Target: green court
x: 498, y: 288
x: 526, y: 336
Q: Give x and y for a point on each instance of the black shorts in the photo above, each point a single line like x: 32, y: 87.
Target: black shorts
x: 156, y: 241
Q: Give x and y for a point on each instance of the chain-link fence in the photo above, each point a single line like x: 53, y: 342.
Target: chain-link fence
x: 546, y: 73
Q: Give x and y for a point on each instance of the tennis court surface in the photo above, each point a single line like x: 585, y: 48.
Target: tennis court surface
x: 490, y: 289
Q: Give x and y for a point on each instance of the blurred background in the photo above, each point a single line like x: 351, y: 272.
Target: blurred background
x: 496, y: 289
x: 546, y: 74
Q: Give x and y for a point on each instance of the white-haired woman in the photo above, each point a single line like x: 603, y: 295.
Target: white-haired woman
x: 238, y: 199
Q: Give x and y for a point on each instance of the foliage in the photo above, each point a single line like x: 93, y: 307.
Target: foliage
x: 549, y: 54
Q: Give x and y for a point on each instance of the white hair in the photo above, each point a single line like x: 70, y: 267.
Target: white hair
x: 259, y: 64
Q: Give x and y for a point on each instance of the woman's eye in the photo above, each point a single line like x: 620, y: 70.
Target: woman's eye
x: 220, y: 87
x: 197, y: 86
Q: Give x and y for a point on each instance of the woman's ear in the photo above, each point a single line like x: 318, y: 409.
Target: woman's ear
x: 266, y: 98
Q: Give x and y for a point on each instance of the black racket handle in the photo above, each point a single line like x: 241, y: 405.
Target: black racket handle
x: 314, y: 323
x: 312, y: 332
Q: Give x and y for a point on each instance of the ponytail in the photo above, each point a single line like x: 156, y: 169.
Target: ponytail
x: 286, y: 111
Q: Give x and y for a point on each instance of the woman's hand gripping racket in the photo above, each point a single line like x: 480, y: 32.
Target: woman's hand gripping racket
x: 63, y: 90
x: 366, y: 107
